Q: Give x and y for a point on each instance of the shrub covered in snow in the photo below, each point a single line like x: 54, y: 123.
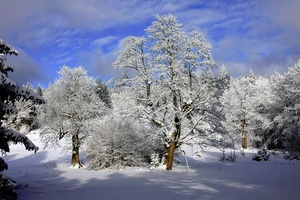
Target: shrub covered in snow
x: 262, y: 154
x: 117, y: 144
x: 292, y: 155
x: 229, y: 158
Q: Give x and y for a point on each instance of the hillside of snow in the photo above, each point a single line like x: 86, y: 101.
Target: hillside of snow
x: 47, y: 175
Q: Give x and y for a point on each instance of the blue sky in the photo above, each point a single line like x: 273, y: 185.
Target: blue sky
x: 259, y: 34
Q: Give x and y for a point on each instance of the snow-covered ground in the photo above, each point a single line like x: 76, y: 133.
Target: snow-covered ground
x: 47, y: 175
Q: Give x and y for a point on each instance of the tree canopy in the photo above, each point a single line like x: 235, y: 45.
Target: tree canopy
x: 71, y: 102
x: 172, y: 82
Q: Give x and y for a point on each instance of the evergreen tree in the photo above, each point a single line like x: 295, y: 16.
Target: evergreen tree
x: 10, y: 92
x: 39, y: 90
x: 103, y: 93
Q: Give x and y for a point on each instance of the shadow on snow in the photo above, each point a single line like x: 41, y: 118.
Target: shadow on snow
x: 50, y: 180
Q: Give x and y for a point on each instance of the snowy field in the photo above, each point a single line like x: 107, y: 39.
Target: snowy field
x: 47, y: 175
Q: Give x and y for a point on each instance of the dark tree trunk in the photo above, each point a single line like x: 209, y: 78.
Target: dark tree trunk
x: 190, y: 79
x: 75, y: 151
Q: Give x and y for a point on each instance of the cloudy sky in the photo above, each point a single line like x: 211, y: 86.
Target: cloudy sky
x: 259, y: 34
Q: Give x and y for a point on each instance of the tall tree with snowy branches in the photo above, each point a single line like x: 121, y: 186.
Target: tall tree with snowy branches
x: 172, y: 83
x: 244, y: 106
x: 71, y: 102
x: 9, y: 93
x: 285, y: 110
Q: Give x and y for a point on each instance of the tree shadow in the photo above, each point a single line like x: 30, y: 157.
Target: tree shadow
x: 207, y: 181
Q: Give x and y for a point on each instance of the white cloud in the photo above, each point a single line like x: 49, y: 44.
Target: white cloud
x: 263, y: 35
x: 26, y: 69
x: 104, y: 41
x: 251, y: 34
x: 99, y: 64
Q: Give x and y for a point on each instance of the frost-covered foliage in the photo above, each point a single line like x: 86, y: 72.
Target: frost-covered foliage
x: 25, y: 119
x: 155, y: 160
x: 71, y: 103
x: 119, y: 143
x: 123, y: 132
x: 171, y: 82
x: 285, y: 111
x: 264, y: 111
x: 245, y: 105
x: 10, y: 92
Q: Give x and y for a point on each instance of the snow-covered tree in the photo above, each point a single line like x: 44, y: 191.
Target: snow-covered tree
x: 39, y: 90
x: 265, y: 100
x: 223, y: 79
x: 122, y: 138
x: 285, y: 109
x: 25, y: 119
x: 168, y: 70
x: 103, y: 93
x: 71, y: 103
x: 244, y: 107
x: 9, y: 93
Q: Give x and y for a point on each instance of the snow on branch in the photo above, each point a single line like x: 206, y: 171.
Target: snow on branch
x: 16, y: 137
x: 7, y: 49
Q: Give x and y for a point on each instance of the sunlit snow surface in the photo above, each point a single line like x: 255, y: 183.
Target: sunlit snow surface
x: 48, y: 175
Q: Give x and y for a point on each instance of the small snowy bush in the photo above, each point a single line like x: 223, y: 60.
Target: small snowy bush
x: 229, y: 158
x: 155, y: 160
x: 261, y: 155
x: 292, y: 156
x: 117, y: 144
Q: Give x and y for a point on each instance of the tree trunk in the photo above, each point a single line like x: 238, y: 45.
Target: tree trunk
x: 75, y: 151
x: 244, y: 140
x: 244, y: 135
x: 169, y: 157
x: 172, y: 145
x: 190, y: 79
